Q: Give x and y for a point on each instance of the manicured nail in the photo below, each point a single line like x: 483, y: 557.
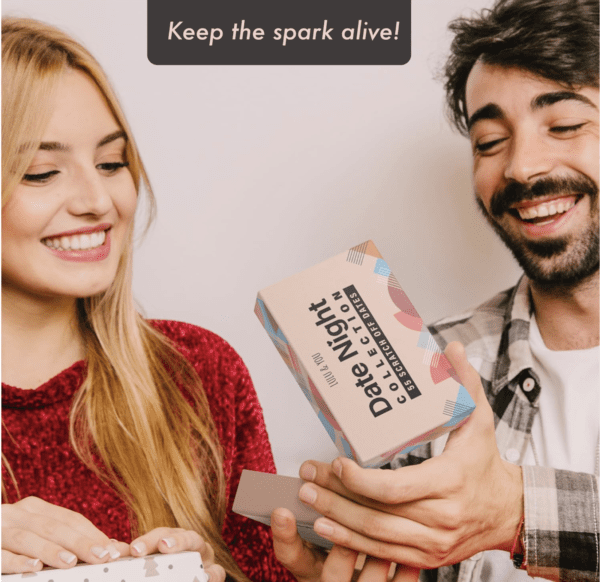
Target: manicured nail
x: 278, y: 520
x: 139, y: 547
x: 169, y: 542
x: 308, y: 472
x: 337, y: 468
x: 308, y: 494
x: 33, y: 562
x: 207, y: 576
x: 324, y: 527
x: 99, y: 551
x: 67, y: 557
x: 114, y: 553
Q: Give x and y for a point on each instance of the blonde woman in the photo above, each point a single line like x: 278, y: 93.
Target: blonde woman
x: 120, y: 436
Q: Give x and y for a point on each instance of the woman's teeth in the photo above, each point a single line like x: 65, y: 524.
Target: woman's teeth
x: 76, y: 242
x: 545, y: 209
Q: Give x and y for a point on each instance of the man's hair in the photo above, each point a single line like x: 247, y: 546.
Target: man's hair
x: 554, y: 39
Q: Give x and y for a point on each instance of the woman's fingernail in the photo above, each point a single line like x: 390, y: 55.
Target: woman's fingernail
x: 337, y: 468
x: 139, y: 547
x: 308, y: 472
x: 67, y: 557
x: 33, y: 562
x: 207, y: 576
x: 99, y: 551
x: 114, y: 553
x: 323, y: 527
x: 308, y: 494
x: 169, y: 542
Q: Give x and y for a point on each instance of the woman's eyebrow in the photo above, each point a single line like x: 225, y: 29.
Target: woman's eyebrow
x: 112, y: 137
x: 55, y: 146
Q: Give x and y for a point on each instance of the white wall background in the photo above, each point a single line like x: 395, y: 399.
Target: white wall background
x: 262, y: 171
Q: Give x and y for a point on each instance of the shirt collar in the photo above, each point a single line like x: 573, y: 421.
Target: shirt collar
x: 514, y: 353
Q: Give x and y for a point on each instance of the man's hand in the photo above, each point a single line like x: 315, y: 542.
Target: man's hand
x: 440, y: 512
x: 311, y: 565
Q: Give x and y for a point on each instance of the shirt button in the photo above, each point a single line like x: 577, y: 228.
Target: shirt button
x: 512, y: 455
x: 528, y: 385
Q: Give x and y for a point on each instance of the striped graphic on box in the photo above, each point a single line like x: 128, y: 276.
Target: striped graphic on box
x: 356, y: 254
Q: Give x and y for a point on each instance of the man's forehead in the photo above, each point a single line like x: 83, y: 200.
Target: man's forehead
x: 496, y: 88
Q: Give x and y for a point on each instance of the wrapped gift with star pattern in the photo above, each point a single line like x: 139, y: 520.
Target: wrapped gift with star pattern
x: 180, y: 567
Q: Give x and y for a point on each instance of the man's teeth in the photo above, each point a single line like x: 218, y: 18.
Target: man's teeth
x: 545, y: 209
x: 77, y: 242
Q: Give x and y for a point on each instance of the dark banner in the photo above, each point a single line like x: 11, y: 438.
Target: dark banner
x: 279, y: 32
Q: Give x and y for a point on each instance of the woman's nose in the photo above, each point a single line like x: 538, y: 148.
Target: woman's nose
x: 90, y: 195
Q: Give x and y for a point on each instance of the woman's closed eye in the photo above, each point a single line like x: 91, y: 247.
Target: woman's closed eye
x: 112, y: 167
x: 39, y: 178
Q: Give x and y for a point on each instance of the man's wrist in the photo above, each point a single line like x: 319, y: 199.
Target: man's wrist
x: 514, y: 509
x: 518, y: 554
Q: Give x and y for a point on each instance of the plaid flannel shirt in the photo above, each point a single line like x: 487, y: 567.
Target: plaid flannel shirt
x: 561, y: 507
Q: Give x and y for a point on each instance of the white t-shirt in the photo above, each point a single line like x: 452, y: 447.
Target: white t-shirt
x: 565, y: 430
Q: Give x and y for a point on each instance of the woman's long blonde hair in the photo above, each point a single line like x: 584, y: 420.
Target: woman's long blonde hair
x: 160, y: 453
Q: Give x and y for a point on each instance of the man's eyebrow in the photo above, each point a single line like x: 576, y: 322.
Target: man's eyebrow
x: 112, y: 137
x: 489, y: 111
x: 547, y: 99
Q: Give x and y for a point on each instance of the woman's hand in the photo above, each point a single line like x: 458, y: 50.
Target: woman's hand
x: 36, y: 533
x: 171, y: 540
x: 310, y: 565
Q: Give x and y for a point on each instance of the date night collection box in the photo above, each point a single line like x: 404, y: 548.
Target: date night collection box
x: 363, y: 357
x: 180, y: 567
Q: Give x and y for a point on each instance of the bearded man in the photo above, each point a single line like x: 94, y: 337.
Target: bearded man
x: 516, y: 487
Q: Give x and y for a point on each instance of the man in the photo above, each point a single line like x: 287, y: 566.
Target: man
x: 522, y: 83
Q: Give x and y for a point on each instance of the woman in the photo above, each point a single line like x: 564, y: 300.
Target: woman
x: 121, y: 436
x: 148, y: 431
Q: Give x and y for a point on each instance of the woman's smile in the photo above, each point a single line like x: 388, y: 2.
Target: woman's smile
x: 68, y: 222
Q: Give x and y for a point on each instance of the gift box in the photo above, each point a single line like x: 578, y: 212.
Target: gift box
x: 363, y: 357
x: 180, y: 567
x: 258, y: 494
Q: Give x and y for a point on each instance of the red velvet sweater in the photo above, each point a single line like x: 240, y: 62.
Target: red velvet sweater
x: 35, y: 440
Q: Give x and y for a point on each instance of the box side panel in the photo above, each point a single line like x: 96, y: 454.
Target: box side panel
x: 302, y: 377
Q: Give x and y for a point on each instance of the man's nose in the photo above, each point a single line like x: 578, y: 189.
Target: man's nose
x: 529, y: 158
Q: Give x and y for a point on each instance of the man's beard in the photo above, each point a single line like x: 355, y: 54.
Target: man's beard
x: 557, y: 262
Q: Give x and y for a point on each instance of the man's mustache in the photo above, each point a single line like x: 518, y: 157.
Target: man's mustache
x: 516, y: 192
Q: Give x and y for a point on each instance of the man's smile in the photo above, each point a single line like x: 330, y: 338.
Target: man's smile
x: 537, y: 210
x: 550, y: 215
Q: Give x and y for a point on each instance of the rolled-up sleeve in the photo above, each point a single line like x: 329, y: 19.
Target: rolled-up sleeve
x: 562, y: 516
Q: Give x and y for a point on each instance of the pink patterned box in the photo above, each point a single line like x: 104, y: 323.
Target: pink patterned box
x: 363, y: 357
